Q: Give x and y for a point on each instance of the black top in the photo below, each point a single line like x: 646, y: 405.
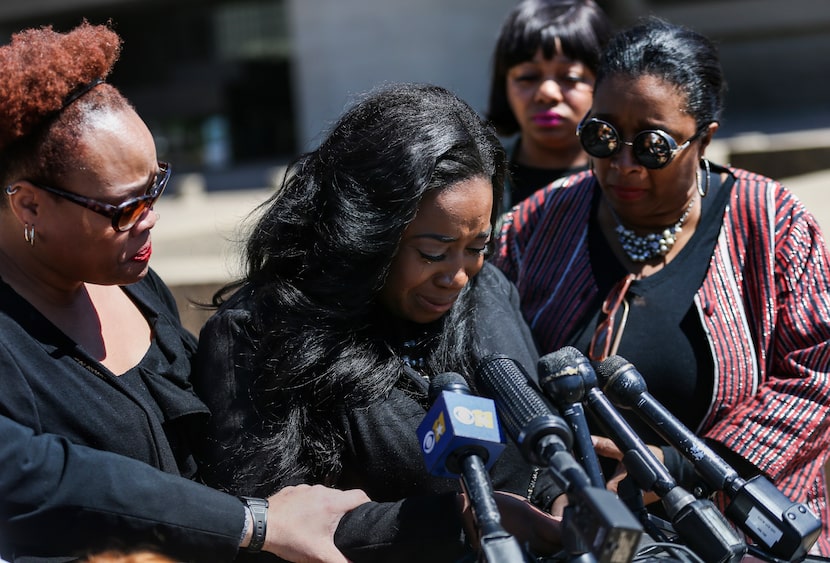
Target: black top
x: 663, y: 335
x: 58, y: 498
x: 524, y: 180
x: 51, y: 385
x: 415, y: 518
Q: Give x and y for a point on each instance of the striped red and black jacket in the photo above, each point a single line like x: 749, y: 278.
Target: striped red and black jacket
x: 764, y: 306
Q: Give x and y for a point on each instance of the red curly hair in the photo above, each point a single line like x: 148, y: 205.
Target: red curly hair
x: 135, y: 557
x: 41, y: 70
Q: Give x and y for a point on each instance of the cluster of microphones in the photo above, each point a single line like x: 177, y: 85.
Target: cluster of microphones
x: 461, y: 438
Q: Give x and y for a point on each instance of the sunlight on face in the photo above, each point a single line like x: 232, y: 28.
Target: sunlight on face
x: 441, y: 251
x: 117, y: 162
x: 549, y: 97
x: 646, y: 198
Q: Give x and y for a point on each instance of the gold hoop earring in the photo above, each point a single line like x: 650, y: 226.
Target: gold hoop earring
x: 700, y: 189
x: 29, y: 234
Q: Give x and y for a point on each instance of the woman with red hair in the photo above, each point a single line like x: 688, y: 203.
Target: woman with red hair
x: 91, y: 346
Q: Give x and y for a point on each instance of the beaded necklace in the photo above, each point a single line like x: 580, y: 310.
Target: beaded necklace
x: 644, y: 248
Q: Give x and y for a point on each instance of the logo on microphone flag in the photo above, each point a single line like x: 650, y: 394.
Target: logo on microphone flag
x: 457, y: 423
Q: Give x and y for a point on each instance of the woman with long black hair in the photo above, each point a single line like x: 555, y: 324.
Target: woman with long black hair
x: 367, y: 277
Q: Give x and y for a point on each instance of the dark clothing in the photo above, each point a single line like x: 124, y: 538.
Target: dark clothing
x: 51, y: 385
x: 764, y: 304
x: 382, y: 455
x: 58, y: 498
x: 523, y: 180
x: 662, y: 316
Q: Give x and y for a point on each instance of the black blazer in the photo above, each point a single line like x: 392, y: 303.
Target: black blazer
x: 58, y: 498
x: 51, y: 385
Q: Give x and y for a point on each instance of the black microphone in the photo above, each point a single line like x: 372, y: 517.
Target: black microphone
x: 460, y: 437
x: 786, y: 529
x: 697, y: 521
x: 595, y: 521
x: 565, y: 387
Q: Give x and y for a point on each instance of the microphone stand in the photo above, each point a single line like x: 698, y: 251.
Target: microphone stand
x: 632, y: 496
x: 496, y: 544
x: 464, y: 453
x: 566, y: 388
x: 696, y: 521
x: 786, y: 529
x: 597, y: 526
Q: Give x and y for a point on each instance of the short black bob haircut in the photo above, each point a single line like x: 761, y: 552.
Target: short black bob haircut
x: 581, y: 27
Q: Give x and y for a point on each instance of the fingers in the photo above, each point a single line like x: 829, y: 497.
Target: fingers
x: 650, y: 497
x: 613, y: 483
x: 557, y: 509
x: 658, y: 453
x: 350, y: 499
x: 605, y: 447
x: 529, y: 525
x: 621, y: 473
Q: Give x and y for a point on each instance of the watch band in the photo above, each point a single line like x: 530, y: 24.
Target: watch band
x: 259, y: 512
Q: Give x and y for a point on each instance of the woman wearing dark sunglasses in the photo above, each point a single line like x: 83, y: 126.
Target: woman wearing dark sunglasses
x: 92, y: 352
x: 713, y: 281
x: 96, y: 337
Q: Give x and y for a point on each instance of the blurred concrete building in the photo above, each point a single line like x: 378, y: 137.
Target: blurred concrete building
x: 232, y: 88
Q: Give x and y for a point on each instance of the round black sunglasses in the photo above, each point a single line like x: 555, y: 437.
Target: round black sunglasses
x: 652, y: 148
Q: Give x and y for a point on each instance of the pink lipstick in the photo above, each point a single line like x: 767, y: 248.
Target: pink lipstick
x: 547, y: 119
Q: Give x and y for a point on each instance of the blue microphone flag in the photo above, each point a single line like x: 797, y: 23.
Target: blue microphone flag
x: 458, y: 424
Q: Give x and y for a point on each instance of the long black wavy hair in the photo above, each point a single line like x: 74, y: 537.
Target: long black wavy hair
x: 320, y: 254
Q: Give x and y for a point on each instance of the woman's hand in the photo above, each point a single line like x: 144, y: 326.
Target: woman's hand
x: 606, y: 447
x: 531, y: 527
x: 302, y: 520
x: 557, y: 509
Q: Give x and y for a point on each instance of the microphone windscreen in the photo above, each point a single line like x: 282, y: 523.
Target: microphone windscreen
x: 560, y: 362
x: 525, y: 416
x: 505, y: 380
x: 608, y: 367
x: 447, y: 381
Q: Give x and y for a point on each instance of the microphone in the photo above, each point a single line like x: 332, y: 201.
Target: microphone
x: 697, y: 521
x: 786, y: 529
x: 595, y: 521
x: 458, y: 424
x: 460, y: 437
x: 562, y: 384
